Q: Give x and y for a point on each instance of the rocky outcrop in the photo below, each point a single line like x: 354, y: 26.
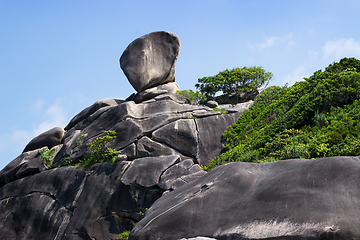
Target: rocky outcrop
x: 48, y: 139
x: 289, y: 199
x: 164, y: 140
x: 71, y: 203
x: 150, y: 60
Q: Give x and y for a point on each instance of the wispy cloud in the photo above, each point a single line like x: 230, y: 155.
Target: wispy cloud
x: 342, y: 48
x: 296, y: 76
x: 37, y: 106
x: 52, y: 116
x: 272, y: 41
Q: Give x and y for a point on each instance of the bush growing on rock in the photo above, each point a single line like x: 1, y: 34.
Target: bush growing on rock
x: 318, y: 117
x: 234, y: 81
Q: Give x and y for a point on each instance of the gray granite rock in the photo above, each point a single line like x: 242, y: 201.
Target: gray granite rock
x: 289, y: 199
x: 48, y: 139
x: 149, y: 61
x: 84, y: 114
x: 180, y: 174
x: 146, y: 171
x: 150, y: 93
x: 212, y: 104
x: 149, y: 148
x: 180, y: 135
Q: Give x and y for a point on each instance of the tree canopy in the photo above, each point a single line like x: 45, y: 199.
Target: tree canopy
x: 318, y: 117
x: 234, y: 81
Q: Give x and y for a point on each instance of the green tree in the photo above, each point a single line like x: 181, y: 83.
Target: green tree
x: 234, y: 81
x: 317, y: 117
x: 194, y: 97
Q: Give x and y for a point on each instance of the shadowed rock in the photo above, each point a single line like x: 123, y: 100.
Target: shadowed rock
x: 48, y: 139
x: 289, y: 199
x: 150, y: 60
x: 146, y: 171
x: 84, y: 114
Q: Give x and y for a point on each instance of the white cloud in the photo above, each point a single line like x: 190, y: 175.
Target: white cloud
x: 37, y: 106
x: 269, y: 42
x: 272, y: 41
x: 313, y: 55
x: 53, y: 116
x: 296, y: 76
x: 341, y: 48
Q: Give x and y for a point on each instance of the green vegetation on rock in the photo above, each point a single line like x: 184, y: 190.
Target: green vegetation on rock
x: 98, y: 152
x: 47, y: 157
x: 194, y: 97
x: 317, y: 117
x: 234, y: 81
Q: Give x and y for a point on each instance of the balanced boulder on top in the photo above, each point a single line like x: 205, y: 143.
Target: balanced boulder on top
x: 150, y: 60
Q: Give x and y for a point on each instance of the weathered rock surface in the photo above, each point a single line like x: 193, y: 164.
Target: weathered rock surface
x: 158, y: 127
x: 150, y: 60
x: 48, y: 139
x: 146, y: 171
x: 290, y: 199
x: 178, y: 174
x: 69, y: 203
x: 212, y: 104
x: 150, y: 93
x: 84, y: 114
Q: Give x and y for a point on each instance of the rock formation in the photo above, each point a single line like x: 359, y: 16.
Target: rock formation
x: 163, y: 141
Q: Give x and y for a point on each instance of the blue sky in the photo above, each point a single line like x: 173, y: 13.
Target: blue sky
x: 59, y: 57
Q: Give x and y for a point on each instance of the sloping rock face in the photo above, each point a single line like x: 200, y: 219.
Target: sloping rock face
x: 71, y: 203
x: 290, y: 199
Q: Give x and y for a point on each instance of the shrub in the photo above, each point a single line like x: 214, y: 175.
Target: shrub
x: 221, y: 110
x: 124, y: 235
x: 99, y: 151
x: 318, y: 117
x: 47, y: 157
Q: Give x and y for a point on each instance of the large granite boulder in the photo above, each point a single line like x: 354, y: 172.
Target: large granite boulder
x: 289, y: 199
x: 150, y: 60
x: 48, y: 139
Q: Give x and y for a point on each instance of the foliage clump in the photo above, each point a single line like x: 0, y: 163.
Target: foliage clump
x: 124, y: 235
x: 318, y: 117
x: 234, y: 81
x: 98, y: 152
x: 194, y: 97
x: 47, y: 157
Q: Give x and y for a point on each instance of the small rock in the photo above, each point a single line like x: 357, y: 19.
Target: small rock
x: 212, y: 104
x: 121, y: 157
